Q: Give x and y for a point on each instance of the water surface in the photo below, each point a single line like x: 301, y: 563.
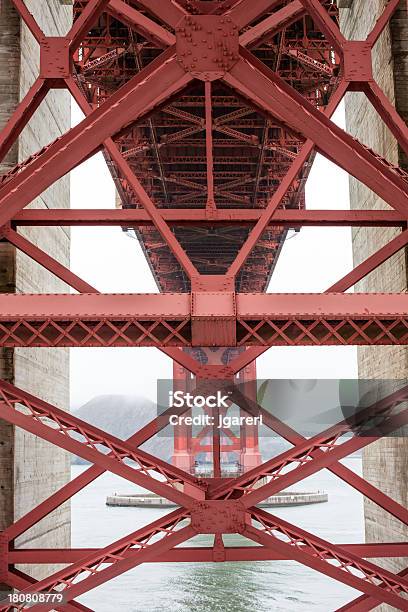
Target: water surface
x: 282, y: 586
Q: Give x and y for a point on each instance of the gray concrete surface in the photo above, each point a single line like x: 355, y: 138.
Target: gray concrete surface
x: 385, y: 464
x: 30, y: 469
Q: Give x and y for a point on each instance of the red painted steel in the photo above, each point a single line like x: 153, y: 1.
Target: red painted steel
x: 198, y: 555
x: 209, y: 115
x: 134, y: 217
x: 171, y: 320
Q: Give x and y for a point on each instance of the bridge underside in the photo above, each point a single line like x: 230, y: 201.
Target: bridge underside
x: 209, y: 114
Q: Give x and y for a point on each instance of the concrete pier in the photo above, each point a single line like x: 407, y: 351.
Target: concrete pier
x: 385, y: 463
x: 30, y: 468
x: 285, y: 498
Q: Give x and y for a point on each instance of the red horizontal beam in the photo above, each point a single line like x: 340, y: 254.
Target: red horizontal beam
x: 139, y: 217
x: 181, y: 319
x: 252, y: 306
x: 199, y: 554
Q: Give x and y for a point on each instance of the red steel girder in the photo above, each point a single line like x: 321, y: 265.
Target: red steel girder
x: 133, y: 217
x: 51, y: 264
x: 70, y: 433
x: 16, y: 579
x: 365, y: 603
x: 165, y: 320
x: 199, y: 554
x: 147, y: 27
x: 246, y: 12
x: 373, y: 574
x: 90, y: 569
x: 371, y: 263
x: 85, y: 21
x: 84, y: 479
x: 22, y: 114
x: 152, y: 86
x: 272, y: 24
x: 320, y: 451
x: 208, y: 315
x: 252, y: 79
x: 169, y: 12
x: 327, y: 558
x: 337, y: 468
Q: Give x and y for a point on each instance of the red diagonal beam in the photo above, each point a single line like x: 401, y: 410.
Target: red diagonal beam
x: 183, y: 114
x: 249, y: 139
x: 247, y: 11
x: 85, y: 21
x: 85, y: 478
x: 29, y: 20
x: 22, y: 114
x: 313, y: 464
x: 282, y: 190
x: 320, y: 555
x: 301, y: 458
x: 324, y: 460
x: 155, y: 215
x: 266, y: 89
x: 388, y: 113
x: 138, y: 189
x: 364, y: 603
x: 382, y: 21
x: 134, y: 19
x: 370, y: 264
x: 20, y: 581
x: 48, y: 262
x: 272, y: 24
x: 59, y: 426
x: 91, y: 569
x: 357, y: 482
x: 323, y: 20
x: 168, y: 11
x: 152, y: 86
x: 246, y: 357
x: 182, y: 358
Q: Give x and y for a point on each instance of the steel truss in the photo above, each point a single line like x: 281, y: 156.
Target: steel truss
x: 212, y: 312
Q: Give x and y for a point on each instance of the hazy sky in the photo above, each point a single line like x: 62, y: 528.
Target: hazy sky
x: 112, y: 261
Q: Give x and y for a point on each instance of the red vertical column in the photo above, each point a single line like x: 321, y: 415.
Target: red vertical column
x: 214, y: 357
x: 182, y: 453
x: 250, y: 455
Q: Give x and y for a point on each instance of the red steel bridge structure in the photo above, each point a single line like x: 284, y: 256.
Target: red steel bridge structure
x: 209, y: 114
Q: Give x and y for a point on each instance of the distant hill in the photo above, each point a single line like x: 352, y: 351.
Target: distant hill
x: 122, y: 416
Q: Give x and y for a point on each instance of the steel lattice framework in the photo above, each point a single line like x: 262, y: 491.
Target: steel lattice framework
x: 209, y: 114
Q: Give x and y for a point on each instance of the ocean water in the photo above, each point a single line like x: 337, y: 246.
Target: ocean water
x: 282, y: 586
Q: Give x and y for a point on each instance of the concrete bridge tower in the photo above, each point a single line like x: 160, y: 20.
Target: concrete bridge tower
x: 30, y: 469
x: 385, y: 463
